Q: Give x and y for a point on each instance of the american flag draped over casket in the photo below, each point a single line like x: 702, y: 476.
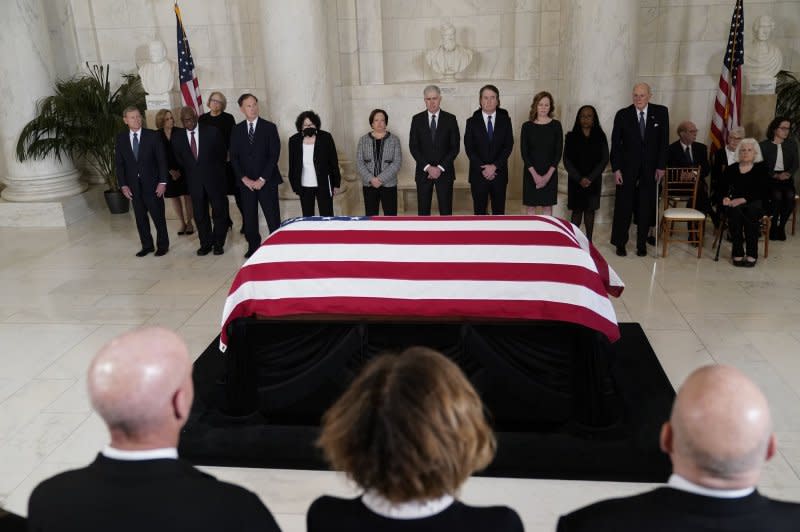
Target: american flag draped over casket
x: 455, y: 267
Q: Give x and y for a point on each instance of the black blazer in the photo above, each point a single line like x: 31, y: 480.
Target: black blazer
x: 481, y: 151
x: 151, y: 165
x: 676, y: 157
x: 670, y: 510
x: 770, y: 152
x: 208, y: 170
x: 259, y: 159
x: 326, y: 162
x: 442, y: 152
x: 632, y: 155
x: 144, y: 495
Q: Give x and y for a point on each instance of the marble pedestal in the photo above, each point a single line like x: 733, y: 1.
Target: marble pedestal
x: 757, y: 112
x: 55, y: 213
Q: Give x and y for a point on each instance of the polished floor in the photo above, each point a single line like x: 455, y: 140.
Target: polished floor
x: 64, y: 292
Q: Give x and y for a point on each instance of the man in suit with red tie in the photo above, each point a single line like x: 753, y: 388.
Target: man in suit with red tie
x: 639, y: 159
x: 434, y: 142
x: 255, y: 148
x: 488, y: 140
x: 141, y: 166
x: 201, y: 153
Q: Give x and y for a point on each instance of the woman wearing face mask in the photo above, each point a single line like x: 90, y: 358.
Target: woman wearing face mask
x: 313, y: 165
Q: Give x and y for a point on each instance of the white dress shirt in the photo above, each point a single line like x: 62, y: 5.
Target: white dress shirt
x: 196, y: 131
x: 405, y: 510
x: 680, y: 483
x: 132, y: 456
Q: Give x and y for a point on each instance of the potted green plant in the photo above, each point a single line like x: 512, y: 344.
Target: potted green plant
x: 81, y: 121
x: 788, y: 104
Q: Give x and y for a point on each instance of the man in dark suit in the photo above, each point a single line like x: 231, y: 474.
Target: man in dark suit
x: 255, y: 148
x: 638, y: 158
x: 488, y: 140
x: 141, y: 166
x: 718, y: 437
x: 434, y: 142
x: 201, y: 153
x: 141, y: 385
x: 685, y: 152
x: 720, y: 161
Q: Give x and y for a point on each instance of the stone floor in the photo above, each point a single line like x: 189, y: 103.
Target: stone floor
x: 64, y: 292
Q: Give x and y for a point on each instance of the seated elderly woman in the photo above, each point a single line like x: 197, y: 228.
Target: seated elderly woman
x: 747, y: 180
x: 409, y: 431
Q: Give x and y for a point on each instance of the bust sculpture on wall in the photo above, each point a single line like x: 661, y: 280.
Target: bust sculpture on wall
x: 762, y: 60
x: 449, y: 58
x: 158, y: 76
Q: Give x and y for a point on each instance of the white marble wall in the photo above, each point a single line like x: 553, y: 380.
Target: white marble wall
x: 375, y: 52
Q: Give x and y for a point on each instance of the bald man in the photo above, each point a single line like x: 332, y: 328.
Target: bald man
x: 718, y: 438
x: 639, y: 159
x: 141, y: 385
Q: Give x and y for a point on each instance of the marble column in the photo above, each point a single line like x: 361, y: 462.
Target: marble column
x: 600, y: 54
x: 26, y: 75
x: 301, y: 80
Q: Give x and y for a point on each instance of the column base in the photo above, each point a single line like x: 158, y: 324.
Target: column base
x: 49, y: 187
x: 56, y: 213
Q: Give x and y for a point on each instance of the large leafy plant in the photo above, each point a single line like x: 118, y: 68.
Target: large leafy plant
x: 81, y: 120
x: 788, y: 104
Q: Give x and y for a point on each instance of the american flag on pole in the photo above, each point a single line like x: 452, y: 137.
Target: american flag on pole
x: 728, y: 106
x: 189, y: 86
x: 454, y: 267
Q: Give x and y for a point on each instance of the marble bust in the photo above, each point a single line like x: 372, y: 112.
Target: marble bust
x: 158, y: 74
x: 449, y: 58
x: 762, y: 60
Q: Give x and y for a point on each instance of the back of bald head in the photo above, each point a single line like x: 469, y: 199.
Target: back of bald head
x: 134, y: 377
x: 721, y: 425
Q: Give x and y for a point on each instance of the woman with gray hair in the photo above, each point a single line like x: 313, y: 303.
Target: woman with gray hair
x: 747, y: 181
x: 378, y: 159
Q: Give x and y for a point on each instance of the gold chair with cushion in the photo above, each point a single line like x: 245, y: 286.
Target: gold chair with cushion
x: 680, y: 184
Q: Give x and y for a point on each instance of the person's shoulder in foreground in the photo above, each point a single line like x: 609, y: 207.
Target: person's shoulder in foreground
x: 718, y: 438
x: 140, y: 384
x: 351, y: 515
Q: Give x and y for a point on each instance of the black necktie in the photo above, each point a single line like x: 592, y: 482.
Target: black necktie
x: 641, y: 124
x: 136, y: 146
x: 490, y: 129
x: 251, y: 134
x: 433, y: 127
x: 689, y: 155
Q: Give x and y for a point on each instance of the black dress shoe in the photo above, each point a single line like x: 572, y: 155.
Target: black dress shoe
x: 621, y: 251
x: 641, y: 252
x: 249, y: 253
x: 144, y: 251
x: 160, y: 252
x: 218, y: 250
x: 651, y: 240
x: 205, y: 250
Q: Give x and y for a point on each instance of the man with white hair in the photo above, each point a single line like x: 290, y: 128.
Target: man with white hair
x: 718, y: 438
x: 141, y: 385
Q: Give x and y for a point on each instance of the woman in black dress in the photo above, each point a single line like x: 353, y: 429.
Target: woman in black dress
x: 217, y: 117
x: 313, y: 165
x: 748, y: 180
x: 409, y: 431
x: 541, y: 144
x: 177, y: 189
x: 585, y: 158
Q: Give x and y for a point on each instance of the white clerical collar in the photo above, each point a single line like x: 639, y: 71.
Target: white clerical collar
x: 148, y: 454
x: 405, y: 510
x: 680, y: 483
